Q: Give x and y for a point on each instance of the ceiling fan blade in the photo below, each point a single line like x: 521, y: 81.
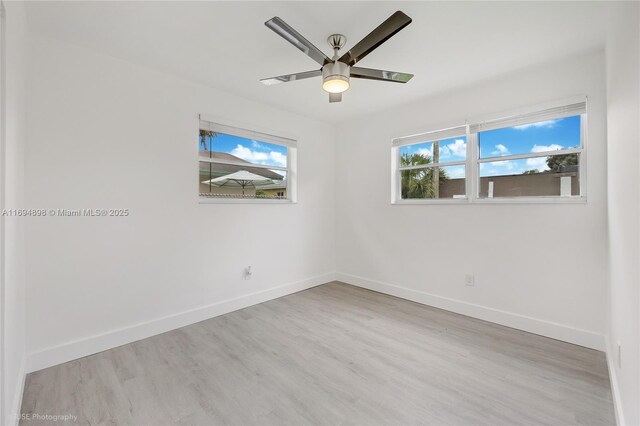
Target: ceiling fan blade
x: 292, y: 36
x: 291, y: 77
x: 335, y: 97
x: 381, y: 75
x: 375, y: 38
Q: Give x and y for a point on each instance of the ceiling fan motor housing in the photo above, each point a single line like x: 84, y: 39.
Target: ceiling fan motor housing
x: 332, y: 74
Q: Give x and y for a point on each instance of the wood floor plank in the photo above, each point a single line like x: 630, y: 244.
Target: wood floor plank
x: 331, y: 355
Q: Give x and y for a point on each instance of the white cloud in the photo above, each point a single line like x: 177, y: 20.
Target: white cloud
x: 543, y: 148
x: 539, y: 163
x: 455, y: 172
x: 544, y: 124
x: 487, y: 170
x: 272, y: 158
x: 458, y: 148
x: 426, y: 152
x: 503, y: 164
x: 501, y: 150
x: 257, y: 145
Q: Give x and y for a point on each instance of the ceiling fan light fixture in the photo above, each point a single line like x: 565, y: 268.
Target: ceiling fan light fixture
x: 336, y: 84
x: 335, y: 77
x: 338, y: 70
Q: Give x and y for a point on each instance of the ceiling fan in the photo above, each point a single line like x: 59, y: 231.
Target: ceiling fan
x: 337, y: 71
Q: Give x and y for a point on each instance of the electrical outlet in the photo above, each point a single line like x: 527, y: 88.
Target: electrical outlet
x: 470, y: 280
x: 248, y: 273
x: 619, y: 355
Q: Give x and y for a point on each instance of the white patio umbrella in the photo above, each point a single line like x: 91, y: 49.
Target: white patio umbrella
x: 240, y: 179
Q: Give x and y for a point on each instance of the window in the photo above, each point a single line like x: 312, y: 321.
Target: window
x: 238, y: 164
x: 535, y: 155
x: 432, y: 165
x: 531, y: 157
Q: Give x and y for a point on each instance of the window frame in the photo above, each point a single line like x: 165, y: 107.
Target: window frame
x: 473, y: 160
x: 260, y: 135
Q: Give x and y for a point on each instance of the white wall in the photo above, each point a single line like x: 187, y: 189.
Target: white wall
x: 541, y: 268
x: 13, y: 299
x: 104, y: 133
x: 623, y: 135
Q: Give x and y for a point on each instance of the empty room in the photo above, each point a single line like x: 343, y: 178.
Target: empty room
x: 319, y: 213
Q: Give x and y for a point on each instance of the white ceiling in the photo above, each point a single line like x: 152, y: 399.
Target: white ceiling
x: 226, y: 45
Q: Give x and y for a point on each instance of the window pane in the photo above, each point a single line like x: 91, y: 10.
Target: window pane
x: 444, y: 151
x: 433, y: 182
x: 275, y: 190
x: 549, y: 135
x: 556, y: 175
x: 233, y: 148
x: 230, y: 181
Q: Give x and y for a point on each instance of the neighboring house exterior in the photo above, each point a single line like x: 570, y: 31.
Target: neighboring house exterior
x: 209, y: 170
x: 277, y: 189
x: 519, y: 185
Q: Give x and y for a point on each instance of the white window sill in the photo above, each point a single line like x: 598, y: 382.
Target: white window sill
x: 500, y: 200
x: 531, y: 200
x: 431, y: 201
x: 204, y: 200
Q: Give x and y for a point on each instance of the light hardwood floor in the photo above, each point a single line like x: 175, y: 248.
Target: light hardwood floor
x: 334, y: 354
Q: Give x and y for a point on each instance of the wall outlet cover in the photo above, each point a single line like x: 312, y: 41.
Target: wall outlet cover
x: 469, y: 279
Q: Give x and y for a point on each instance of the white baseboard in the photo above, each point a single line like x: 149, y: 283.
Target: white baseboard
x: 69, y: 351
x: 510, y: 319
x: 613, y: 379
x: 16, y: 407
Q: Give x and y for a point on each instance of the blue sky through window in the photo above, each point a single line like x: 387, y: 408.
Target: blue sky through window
x: 562, y: 133
x: 454, y: 149
x: 549, y: 135
x: 255, y: 152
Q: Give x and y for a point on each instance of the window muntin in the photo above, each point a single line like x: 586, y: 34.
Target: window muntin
x: 534, y: 156
x: 241, y: 164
